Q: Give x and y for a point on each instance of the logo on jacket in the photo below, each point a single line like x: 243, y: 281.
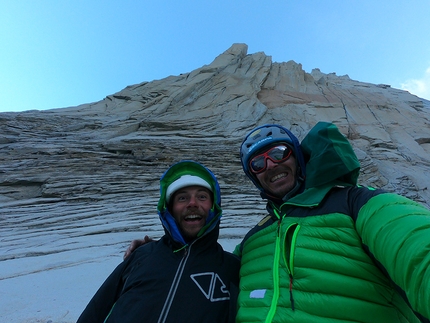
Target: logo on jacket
x: 211, y: 286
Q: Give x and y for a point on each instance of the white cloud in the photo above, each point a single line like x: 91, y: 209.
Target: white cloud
x: 419, y: 87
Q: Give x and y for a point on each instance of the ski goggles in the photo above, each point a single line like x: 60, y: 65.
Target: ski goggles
x: 276, y: 154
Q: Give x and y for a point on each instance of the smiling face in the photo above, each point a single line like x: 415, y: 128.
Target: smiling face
x: 190, y: 208
x: 278, y: 178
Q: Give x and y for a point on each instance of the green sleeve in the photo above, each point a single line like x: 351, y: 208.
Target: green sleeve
x: 397, y: 232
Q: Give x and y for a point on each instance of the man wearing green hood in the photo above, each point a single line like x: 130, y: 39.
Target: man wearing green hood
x: 185, y: 276
x: 329, y: 250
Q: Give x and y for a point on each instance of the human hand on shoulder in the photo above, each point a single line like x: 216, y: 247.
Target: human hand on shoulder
x: 136, y: 244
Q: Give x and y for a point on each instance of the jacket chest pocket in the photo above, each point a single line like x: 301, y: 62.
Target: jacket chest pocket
x: 288, y: 239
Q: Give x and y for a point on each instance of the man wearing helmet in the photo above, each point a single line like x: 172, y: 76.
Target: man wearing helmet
x: 273, y: 171
x: 329, y: 250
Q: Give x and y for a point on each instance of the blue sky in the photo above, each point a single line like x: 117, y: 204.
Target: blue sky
x: 61, y: 53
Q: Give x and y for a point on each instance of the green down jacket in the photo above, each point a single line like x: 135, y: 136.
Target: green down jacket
x: 336, y: 252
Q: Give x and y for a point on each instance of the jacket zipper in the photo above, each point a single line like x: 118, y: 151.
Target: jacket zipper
x: 289, y: 264
x: 178, y: 275
x: 174, y: 287
x: 275, y: 274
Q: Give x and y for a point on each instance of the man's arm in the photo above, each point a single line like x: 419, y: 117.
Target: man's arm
x: 136, y: 244
x: 396, y: 230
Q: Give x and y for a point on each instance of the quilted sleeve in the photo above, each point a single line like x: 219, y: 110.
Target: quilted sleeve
x: 397, y: 232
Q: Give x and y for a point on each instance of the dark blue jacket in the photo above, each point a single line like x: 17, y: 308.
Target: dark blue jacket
x: 155, y: 284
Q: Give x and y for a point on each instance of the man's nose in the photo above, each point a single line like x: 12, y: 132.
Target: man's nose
x: 192, y: 201
x: 269, y: 163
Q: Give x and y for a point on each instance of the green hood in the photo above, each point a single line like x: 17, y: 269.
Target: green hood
x: 330, y: 161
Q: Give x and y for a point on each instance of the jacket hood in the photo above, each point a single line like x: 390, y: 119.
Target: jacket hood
x: 188, y: 167
x: 330, y: 157
x: 330, y: 161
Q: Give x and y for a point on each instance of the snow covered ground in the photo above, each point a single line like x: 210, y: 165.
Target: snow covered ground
x: 56, y: 288
x: 53, y: 258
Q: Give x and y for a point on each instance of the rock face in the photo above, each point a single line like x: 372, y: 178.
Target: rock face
x: 94, y: 168
x: 122, y: 144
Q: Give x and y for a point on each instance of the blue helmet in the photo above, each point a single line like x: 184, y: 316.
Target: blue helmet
x: 265, y: 136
